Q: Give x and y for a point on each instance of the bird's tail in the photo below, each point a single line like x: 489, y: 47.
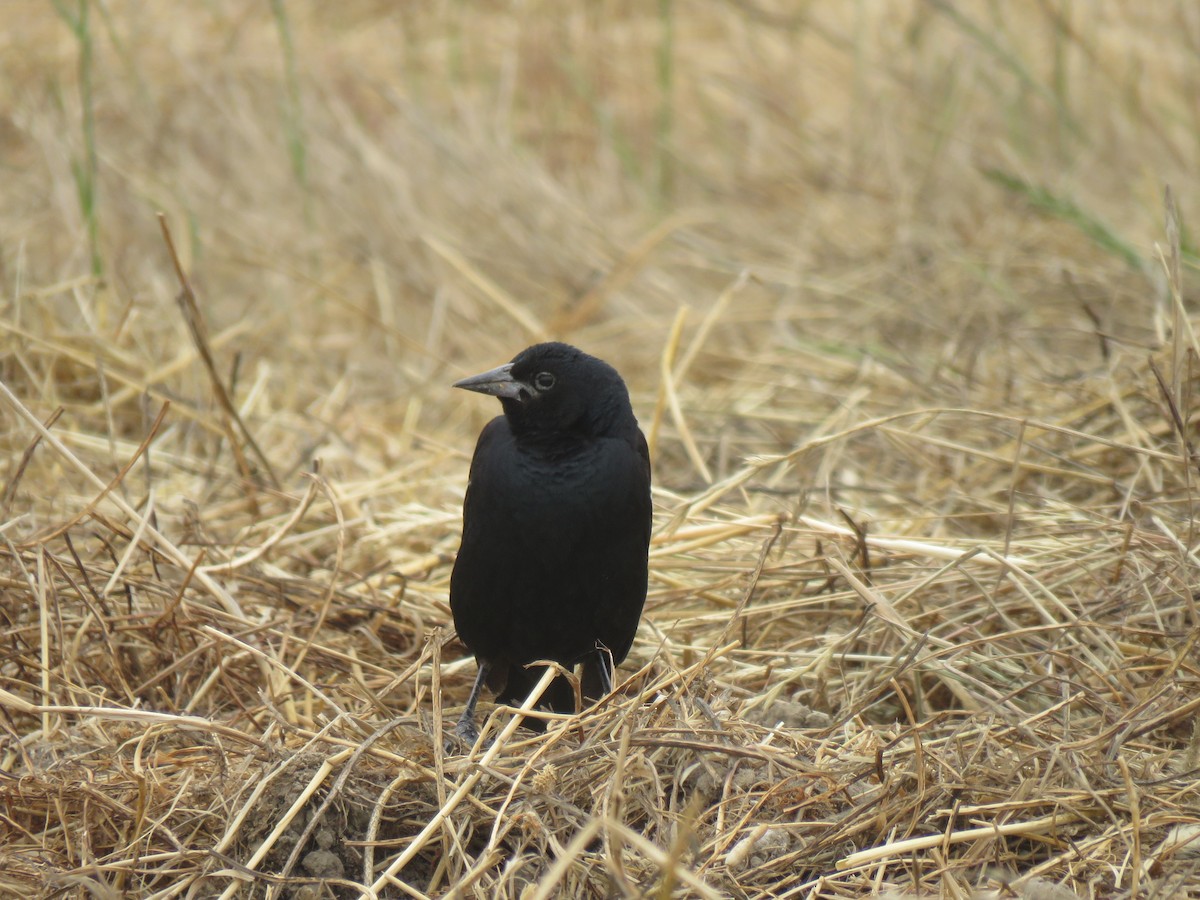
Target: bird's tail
x: 595, y: 681
x: 559, y: 697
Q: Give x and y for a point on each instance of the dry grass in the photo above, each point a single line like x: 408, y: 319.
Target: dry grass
x: 892, y: 289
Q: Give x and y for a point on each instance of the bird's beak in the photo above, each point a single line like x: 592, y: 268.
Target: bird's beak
x: 498, y: 382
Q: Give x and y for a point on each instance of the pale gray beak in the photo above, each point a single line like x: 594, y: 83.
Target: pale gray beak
x: 497, y: 382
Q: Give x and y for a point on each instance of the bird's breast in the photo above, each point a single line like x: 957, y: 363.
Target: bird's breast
x: 553, y: 555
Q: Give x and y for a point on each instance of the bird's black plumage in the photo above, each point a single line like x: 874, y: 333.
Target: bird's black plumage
x: 556, y: 527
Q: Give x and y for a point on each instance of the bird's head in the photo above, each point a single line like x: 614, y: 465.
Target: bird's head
x: 555, y: 388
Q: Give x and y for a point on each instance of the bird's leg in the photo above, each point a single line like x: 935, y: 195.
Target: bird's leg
x: 605, y: 672
x: 597, y: 678
x: 465, y: 728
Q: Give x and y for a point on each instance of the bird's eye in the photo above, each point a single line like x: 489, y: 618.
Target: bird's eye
x: 543, y: 381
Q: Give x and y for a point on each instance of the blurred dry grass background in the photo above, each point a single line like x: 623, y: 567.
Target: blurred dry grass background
x: 900, y: 307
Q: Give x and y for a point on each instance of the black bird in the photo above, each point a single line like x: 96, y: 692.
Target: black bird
x: 556, y: 529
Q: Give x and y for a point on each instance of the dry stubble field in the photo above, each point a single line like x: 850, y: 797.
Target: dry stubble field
x: 906, y: 309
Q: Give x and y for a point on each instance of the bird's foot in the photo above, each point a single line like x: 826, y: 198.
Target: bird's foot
x: 465, y: 735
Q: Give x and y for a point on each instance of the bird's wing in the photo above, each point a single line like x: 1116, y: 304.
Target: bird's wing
x: 494, y: 433
x: 643, y: 450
